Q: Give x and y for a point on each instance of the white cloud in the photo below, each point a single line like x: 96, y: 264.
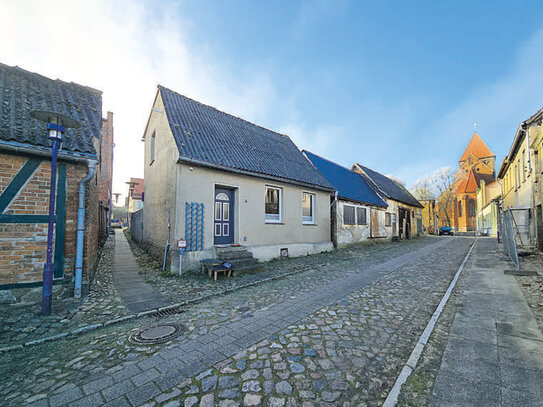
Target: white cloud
x: 115, y: 48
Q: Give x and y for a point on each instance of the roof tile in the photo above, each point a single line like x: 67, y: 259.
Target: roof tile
x: 23, y: 91
x: 206, y: 134
x: 349, y: 184
x: 391, y: 188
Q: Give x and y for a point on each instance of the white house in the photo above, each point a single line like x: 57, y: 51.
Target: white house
x: 220, y: 181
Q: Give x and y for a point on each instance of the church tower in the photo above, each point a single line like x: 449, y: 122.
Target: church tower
x: 476, y: 164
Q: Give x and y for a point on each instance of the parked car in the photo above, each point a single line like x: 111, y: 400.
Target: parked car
x: 445, y: 230
x: 116, y: 223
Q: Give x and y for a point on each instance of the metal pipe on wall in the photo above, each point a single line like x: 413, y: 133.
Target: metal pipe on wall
x: 81, y: 229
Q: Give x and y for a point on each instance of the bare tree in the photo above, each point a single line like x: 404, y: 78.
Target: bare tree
x: 424, y: 188
x: 443, y: 181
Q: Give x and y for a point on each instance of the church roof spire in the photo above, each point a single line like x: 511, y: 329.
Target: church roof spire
x: 476, y: 147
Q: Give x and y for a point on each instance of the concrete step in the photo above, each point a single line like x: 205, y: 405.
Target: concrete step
x: 240, y: 263
x: 223, y: 249
x: 238, y: 254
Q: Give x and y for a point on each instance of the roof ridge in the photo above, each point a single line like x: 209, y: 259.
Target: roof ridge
x: 222, y: 111
x: 24, y: 71
x: 330, y: 161
x: 475, y: 143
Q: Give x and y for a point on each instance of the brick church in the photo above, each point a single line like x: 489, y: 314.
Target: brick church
x: 476, y: 164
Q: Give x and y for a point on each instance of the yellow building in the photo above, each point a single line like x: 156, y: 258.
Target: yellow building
x: 429, y: 216
x: 521, y: 172
x: 536, y: 151
x: 488, y: 201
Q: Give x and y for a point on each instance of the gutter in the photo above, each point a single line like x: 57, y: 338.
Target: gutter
x: 45, y: 152
x: 81, y: 229
x: 200, y: 163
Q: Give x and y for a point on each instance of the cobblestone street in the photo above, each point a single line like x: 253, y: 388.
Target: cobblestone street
x: 337, y: 332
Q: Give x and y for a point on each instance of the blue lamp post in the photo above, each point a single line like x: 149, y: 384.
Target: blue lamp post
x: 56, y: 125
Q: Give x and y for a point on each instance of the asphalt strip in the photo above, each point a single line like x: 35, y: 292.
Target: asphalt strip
x: 392, y: 398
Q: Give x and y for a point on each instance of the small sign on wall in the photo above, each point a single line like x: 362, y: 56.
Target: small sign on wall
x: 284, y: 253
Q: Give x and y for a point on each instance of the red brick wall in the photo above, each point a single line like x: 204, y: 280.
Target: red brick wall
x: 23, y: 246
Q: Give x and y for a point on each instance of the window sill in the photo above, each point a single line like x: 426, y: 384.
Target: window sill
x: 309, y: 224
x: 272, y: 222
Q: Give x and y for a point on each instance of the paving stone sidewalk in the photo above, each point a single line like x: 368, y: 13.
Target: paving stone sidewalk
x: 163, y: 370
x: 494, y: 355
x: 21, y: 321
x: 137, y: 295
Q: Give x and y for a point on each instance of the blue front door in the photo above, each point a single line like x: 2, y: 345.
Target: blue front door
x: 223, y: 226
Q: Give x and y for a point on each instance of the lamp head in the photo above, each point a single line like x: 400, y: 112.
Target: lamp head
x: 56, y: 123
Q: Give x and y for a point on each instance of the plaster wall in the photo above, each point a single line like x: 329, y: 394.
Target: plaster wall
x: 160, y: 181
x: 197, y: 184
x: 347, y: 234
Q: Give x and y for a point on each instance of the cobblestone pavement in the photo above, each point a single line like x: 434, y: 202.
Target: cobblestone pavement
x: 337, y: 338
x: 21, y: 321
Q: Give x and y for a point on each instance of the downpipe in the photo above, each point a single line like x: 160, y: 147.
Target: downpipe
x: 81, y: 229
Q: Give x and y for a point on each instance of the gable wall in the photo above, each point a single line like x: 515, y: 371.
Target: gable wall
x: 160, y: 182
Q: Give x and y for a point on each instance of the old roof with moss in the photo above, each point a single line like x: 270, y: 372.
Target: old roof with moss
x: 22, y: 91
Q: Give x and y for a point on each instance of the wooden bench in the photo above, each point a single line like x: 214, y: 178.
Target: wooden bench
x: 215, y: 266
x: 221, y: 268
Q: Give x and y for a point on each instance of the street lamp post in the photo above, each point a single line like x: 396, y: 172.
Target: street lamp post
x: 56, y: 125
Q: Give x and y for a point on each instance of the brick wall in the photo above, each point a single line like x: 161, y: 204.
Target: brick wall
x: 106, y: 160
x: 23, y: 246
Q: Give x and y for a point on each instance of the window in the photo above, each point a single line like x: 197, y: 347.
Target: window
x: 349, y: 215
x: 523, y: 165
x: 361, y: 216
x: 308, y: 208
x: 460, y: 211
x: 388, y: 219
x: 537, y: 162
x: 471, y: 207
x: 152, y: 158
x: 273, y: 205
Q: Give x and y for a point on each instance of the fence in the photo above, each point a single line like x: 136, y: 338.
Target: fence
x: 136, y: 226
x: 508, y: 235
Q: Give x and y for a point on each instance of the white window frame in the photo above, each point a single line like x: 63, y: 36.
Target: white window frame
x: 271, y: 217
x: 308, y: 220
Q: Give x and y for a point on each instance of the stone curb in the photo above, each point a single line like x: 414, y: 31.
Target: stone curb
x: 409, y: 367
x: 88, y: 328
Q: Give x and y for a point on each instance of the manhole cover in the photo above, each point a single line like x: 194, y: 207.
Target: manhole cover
x: 157, y: 334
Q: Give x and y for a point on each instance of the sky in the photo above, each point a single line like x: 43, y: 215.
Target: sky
x: 395, y: 86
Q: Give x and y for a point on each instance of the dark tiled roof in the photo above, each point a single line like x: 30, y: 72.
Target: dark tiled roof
x: 392, y: 189
x: 206, y: 134
x: 22, y: 91
x: 349, y: 184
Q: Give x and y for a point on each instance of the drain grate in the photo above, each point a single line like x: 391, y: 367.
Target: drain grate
x: 166, y: 312
x: 157, y: 334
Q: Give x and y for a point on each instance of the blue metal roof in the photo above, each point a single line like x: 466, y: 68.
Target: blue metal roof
x: 391, y: 188
x: 206, y: 134
x: 349, y: 184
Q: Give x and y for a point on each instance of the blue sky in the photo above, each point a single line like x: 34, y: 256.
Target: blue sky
x: 393, y: 85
